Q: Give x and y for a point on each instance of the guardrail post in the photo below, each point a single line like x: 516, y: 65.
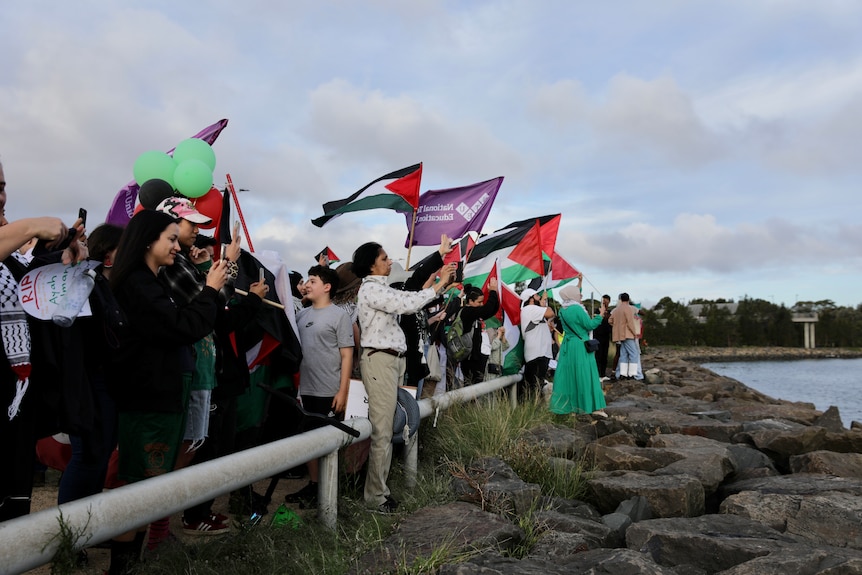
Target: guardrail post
x: 411, y: 460
x: 513, y: 395
x: 327, y: 490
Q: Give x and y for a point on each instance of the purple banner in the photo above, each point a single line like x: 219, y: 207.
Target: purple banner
x: 453, y: 212
x: 123, y: 206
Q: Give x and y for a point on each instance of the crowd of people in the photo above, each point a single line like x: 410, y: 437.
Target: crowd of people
x: 156, y: 377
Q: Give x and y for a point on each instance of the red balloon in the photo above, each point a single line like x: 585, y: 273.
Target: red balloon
x: 209, y: 205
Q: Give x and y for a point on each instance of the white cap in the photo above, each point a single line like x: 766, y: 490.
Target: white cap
x: 527, y: 294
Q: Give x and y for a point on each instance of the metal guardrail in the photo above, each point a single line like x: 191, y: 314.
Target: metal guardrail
x: 30, y: 541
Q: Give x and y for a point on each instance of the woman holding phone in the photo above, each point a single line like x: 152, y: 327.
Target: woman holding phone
x: 154, y: 363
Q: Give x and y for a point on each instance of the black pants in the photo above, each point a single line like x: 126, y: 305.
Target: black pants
x: 534, y: 377
x: 602, y: 357
x: 474, y: 370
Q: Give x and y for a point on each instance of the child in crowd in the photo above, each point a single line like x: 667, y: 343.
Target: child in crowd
x: 326, y: 333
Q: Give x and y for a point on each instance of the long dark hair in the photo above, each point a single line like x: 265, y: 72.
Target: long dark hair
x: 102, y: 240
x: 143, y: 229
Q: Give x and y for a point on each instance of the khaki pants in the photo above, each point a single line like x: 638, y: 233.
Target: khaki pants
x: 381, y: 374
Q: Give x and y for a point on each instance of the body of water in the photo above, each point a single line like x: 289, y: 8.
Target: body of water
x: 823, y: 382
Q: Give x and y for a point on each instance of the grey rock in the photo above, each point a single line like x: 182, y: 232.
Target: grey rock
x: 491, y: 483
x: 800, y: 561
x: 745, y: 457
x: 636, y: 508
x: 558, y: 544
x: 787, y: 443
x: 828, y: 462
x: 710, y: 542
x: 623, y: 457
x: 856, y: 425
x: 795, y: 484
x: 616, y: 439
x: 771, y: 424
x: 843, y: 442
x: 654, y: 376
x: 830, y: 518
x: 830, y: 420
x: 560, y: 441
x: 617, y: 523
x: 457, y: 527
x: 595, y: 562
x: 596, y: 533
x: 570, y: 507
x: 668, y: 496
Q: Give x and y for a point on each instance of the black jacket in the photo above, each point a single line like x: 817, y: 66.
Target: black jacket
x: 156, y: 349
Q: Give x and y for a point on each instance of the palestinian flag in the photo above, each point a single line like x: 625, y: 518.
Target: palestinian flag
x: 529, y: 251
x: 328, y: 253
x: 398, y: 190
x: 500, y: 245
x: 510, y: 303
x: 461, y: 250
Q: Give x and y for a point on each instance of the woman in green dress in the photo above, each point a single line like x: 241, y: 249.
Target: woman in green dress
x: 577, y: 388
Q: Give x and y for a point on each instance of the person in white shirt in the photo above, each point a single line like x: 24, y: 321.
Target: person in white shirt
x: 538, y: 343
x: 382, y: 362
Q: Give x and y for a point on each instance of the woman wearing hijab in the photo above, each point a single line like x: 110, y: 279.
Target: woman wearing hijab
x: 576, y: 381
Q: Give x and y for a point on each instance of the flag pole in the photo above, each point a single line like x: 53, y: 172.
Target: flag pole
x: 410, y: 241
x: 239, y: 212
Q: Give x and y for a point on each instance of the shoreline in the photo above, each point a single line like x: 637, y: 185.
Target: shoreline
x: 702, y: 354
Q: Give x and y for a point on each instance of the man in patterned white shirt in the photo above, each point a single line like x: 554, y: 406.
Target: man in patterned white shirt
x: 383, y: 349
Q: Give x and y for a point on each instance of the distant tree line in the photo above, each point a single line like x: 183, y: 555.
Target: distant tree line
x: 756, y: 322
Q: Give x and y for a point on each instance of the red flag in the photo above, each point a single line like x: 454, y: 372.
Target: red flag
x: 461, y: 250
x: 408, y: 187
x: 494, y: 273
x: 562, y: 269
x: 510, y: 303
x: 528, y: 252
x: 549, y: 234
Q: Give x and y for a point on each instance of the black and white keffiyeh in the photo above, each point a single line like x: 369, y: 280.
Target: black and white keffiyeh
x: 15, y: 334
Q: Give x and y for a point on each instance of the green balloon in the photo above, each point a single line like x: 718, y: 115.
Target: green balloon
x: 195, y: 149
x: 154, y: 165
x: 193, y: 178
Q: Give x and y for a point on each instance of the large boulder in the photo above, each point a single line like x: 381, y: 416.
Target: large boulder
x: 828, y: 462
x: 829, y: 518
x: 595, y: 533
x: 560, y: 441
x: 456, y: 527
x: 794, y: 484
x: 491, y: 483
x: 623, y: 457
x: 668, y: 496
x: 800, y: 561
x: 610, y: 561
x: 710, y: 543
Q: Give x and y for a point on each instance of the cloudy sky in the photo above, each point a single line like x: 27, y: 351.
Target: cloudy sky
x: 695, y: 149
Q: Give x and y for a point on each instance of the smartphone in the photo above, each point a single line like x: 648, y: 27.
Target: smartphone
x: 82, y: 215
x: 459, y: 272
x: 261, y: 277
x: 223, y: 252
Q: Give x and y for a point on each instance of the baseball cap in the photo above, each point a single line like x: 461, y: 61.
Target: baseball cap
x: 527, y: 294
x: 182, y: 208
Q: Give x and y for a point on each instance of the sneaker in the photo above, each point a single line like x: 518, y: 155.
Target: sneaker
x: 388, y: 507
x: 220, y: 518
x: 306, y: 497
x: 600, y: 413
x: 204, y: 527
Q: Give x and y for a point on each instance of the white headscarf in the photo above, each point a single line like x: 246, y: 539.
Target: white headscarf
x: 570, y: 295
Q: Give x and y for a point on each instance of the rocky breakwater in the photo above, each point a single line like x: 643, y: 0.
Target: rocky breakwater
x: 692, y: 473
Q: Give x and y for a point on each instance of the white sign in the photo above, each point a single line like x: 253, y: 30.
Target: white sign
x: 43, y: 290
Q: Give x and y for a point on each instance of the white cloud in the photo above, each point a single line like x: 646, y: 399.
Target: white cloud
x: 370, y: 126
